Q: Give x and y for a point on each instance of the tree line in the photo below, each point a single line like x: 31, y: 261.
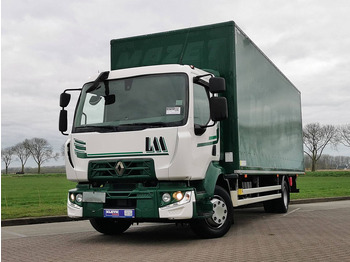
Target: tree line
x: 37, y: 148
x: 317, y: 137
x: 329, y: 162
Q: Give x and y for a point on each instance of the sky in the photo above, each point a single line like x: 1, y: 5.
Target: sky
x: 47, y: 47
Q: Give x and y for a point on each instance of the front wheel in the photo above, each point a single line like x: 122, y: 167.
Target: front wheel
x: 109, y: 226
x: 220, y: 222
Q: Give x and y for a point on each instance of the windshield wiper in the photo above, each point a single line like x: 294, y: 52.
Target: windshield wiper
x: 95, y: 128
x: 146, y: 125
x: 140, y: 126
x: 120, y: 128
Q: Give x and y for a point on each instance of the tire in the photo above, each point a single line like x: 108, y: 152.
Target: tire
x: 109, y: 226
x: 220, y: 222
x: 279, y: 205
x: 282, y: 204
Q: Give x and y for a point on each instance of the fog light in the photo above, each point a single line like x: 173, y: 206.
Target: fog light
x: 166, y: 197
x: 72, y: 197
x: 178, y: 195
x: 79, y: 198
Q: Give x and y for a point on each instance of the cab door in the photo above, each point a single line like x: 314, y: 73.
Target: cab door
x: 206, y: 146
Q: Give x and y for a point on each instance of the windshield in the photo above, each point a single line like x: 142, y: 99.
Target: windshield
x: 133, y: 104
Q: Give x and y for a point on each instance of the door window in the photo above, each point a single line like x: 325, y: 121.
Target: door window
x: 201, y: 105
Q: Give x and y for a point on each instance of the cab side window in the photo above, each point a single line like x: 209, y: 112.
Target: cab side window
x: 201, y: 105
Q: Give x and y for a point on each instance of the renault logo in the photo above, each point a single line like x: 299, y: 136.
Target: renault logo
x: 120, y: 168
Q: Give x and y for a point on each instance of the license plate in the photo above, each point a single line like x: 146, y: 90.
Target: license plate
x: 119, y: 213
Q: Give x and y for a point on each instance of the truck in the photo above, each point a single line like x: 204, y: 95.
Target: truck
x: 187, y: 126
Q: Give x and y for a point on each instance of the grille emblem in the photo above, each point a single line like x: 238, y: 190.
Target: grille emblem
x: 120, y: 168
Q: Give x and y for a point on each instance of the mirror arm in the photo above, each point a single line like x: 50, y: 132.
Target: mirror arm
x: 200, y: 129
x: 64, y: 101
x: 72, y: 89
x: 211, y: 125
x: 102, y: 77
x: 197, y: 79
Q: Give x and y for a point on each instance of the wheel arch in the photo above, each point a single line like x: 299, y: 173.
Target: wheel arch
x: 215, y: 176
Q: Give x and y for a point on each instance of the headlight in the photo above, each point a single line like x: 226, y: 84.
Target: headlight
x: 72, y: 197
x: 166, y: 197
x: 79, y: 198
x: 178, y: 196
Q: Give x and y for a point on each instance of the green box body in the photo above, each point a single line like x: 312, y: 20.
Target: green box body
x: 264, y: 130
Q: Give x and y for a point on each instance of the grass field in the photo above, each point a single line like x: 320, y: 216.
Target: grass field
x: 318, y: 187
x: 34, y: 195
x: 46, y: 195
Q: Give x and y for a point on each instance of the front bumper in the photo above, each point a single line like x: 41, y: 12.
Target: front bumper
x: 146, y: 203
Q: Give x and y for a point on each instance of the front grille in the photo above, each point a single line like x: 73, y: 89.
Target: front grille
x: 115, y: 170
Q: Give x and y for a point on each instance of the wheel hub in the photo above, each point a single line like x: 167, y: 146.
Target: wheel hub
x: 220, y: 212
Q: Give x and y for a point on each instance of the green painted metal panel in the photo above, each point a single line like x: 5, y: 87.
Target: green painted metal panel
x: 268, y: 110
x: 264, y: 129
x: 204, y: 47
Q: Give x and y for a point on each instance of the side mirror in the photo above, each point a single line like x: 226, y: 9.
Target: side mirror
x: 218, y: 108
x: 63, y: 121
x: 64, y: 99
x: 217, y: 85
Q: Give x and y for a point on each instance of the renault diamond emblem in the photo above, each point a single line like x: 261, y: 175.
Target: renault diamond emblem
x: 120, y: 168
